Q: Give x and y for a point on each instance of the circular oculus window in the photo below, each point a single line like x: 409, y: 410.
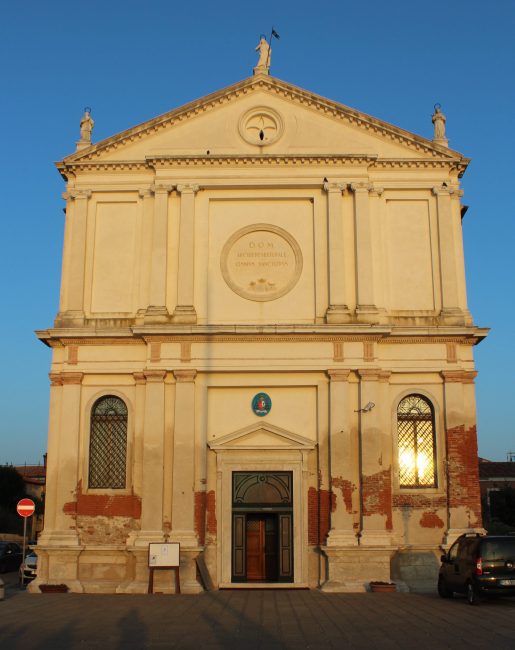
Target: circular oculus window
x: 261, y: 126
x: 261, y: 262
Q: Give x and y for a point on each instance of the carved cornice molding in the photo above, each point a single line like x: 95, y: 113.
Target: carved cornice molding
x: 184, y: 375
x: 172, y: 162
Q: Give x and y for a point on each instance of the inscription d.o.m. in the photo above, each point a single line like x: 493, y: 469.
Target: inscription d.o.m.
x: 261, y: 262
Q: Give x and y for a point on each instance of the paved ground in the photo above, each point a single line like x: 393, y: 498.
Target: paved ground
x: 251, y: 619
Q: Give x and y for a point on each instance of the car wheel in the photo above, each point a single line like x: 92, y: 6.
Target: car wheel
x: 443, y: 589
x: 472, y: 594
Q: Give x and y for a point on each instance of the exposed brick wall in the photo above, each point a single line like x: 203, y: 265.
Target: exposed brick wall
x: 347, y: 489
x: 211, y: 523
x: 200, y: 517
x: 419, y: 501
x: 104, y: 505
x: 463, y: 472
x: 205, y: 516
x: 431, y: 520
x: 377, y: 496
x: 320, y: 505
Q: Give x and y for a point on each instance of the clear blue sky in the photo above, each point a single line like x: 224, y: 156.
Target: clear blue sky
x: 131, y: 60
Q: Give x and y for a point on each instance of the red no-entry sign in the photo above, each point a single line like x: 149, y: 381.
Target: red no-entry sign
x: 25, y: 507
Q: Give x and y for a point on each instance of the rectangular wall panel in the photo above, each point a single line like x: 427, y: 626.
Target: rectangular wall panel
x: 408, y: 239
x: 114, y: 257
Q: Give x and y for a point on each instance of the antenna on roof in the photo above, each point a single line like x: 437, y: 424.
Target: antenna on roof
x: 510, y: 456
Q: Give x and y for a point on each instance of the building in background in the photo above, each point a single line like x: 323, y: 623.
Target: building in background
x: 263, y: 349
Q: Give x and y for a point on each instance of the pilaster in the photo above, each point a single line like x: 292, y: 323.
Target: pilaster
x: 157, y: 311
x: 338, y: 311
x: 63, y: 459
x: 146, y: 196
x: 183, y: 495
x: 344, y: 490
x: 152, y: 470
x: 71, y: 310
x: 451, y: 312
x: 464, y: 502
x: 366, y: 309
x: 185, y: 310
x: 376, y: 459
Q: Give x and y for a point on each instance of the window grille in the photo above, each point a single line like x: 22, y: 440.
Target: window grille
x: 416, y: 442
x: 108, y: 443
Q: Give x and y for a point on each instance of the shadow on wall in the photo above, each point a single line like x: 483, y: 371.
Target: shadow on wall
x: 418, y: 570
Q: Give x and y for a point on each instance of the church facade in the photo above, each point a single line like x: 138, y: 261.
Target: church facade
x: 263, y: 350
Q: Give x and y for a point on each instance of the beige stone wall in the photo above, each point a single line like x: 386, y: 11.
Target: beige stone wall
x: 201, y: 266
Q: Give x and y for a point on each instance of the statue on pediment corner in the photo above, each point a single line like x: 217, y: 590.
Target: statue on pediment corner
x: 86, y: 126
x: 438, y: 120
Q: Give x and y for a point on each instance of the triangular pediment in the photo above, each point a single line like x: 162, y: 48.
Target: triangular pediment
x: 262, y: 436
x: 211, y: 128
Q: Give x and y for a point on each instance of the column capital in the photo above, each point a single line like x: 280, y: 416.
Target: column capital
x: 361, y: 187
x: 139, y: 377
x: 162, y: 188
x: 458, y: 376
x: 370, y: 188
x: 71, y: 378
x: 184, y: 375
x: 146, y: 192
x: 76, y: 194
x: 154, y: 376
x: 338, y: 374
x: 55, y: 379
x: 188, y: 188
x: 443, y: 190
x: 337, y: 188
x: 370, y: 374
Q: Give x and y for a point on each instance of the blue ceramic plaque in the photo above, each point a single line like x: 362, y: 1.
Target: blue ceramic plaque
x: 261, y: 404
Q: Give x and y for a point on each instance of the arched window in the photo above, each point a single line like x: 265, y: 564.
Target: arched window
x: 108, y: 443
x: 416, y: 442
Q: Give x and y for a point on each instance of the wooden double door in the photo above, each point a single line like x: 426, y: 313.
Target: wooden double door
x: 262, y: 547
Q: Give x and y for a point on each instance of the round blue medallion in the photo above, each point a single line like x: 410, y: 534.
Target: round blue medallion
x: 261, y: 404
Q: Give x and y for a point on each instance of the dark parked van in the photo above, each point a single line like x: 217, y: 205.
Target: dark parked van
x: 478, y: 565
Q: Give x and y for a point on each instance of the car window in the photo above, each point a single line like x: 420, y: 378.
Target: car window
x: 453, y: 551
x: 498, y: 549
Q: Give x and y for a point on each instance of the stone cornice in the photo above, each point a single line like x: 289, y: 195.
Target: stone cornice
x: 258, y: 160
x: 382, y: 335
x: 287, y: 91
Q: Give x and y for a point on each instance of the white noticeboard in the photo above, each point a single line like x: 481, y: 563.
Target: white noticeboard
x: 163, y: 555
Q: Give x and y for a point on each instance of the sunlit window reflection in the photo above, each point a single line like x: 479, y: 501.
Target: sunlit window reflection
x: 416, y: 442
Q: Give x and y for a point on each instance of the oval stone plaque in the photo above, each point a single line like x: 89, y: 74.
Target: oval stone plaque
x: 261, y: 262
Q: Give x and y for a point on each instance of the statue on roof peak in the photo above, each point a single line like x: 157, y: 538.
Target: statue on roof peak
x: 265, y: 55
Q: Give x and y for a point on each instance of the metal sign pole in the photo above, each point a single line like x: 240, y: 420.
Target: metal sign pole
x: 23, y: 557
